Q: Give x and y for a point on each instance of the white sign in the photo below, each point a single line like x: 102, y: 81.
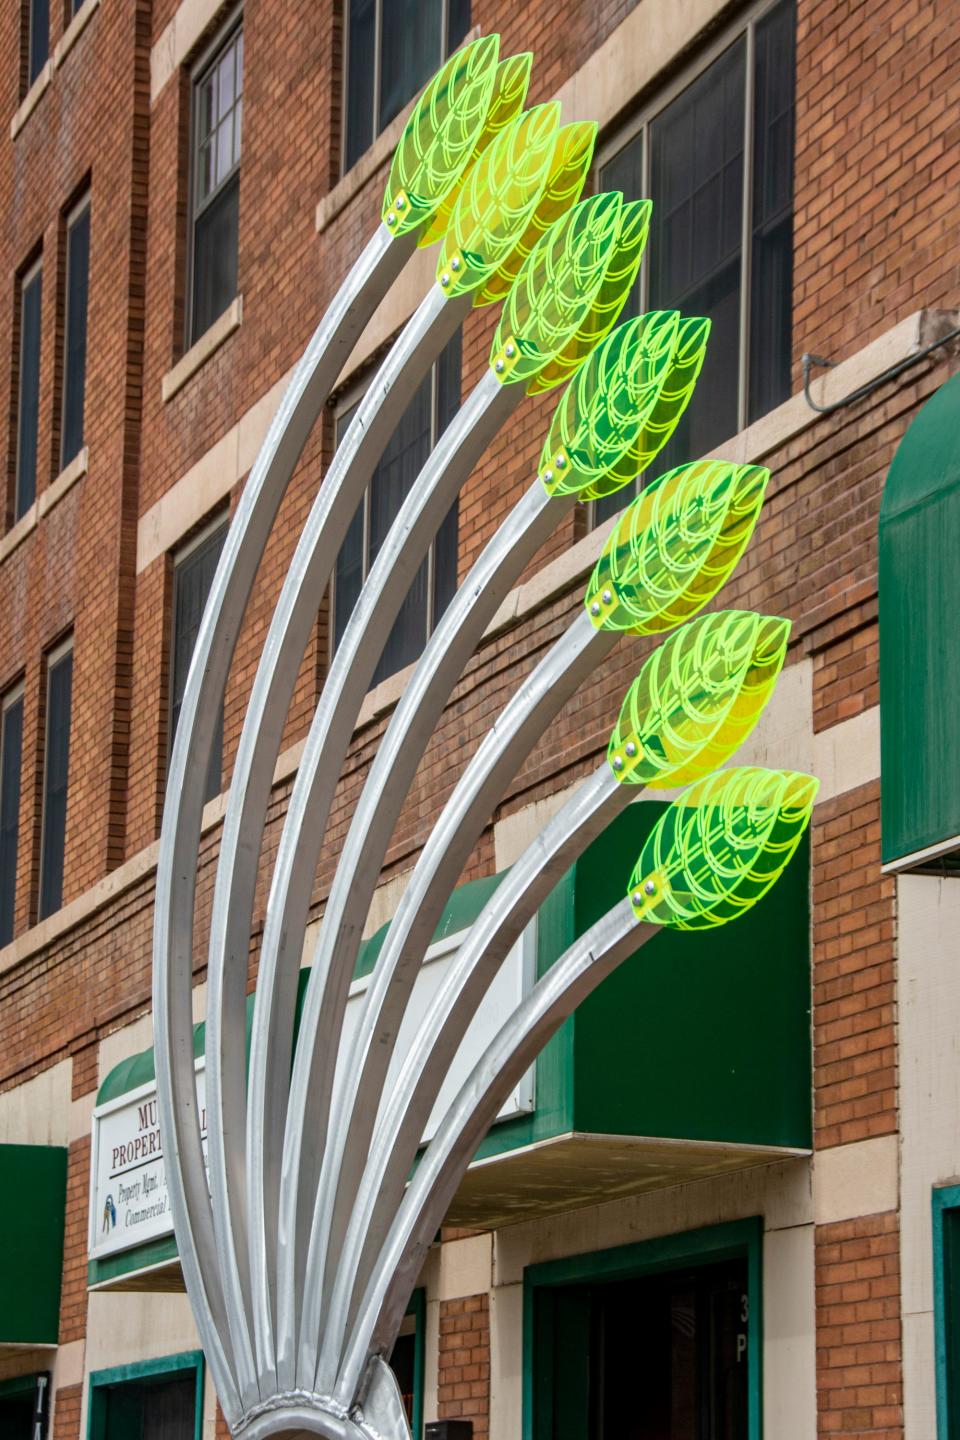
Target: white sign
x: 129, y: 1203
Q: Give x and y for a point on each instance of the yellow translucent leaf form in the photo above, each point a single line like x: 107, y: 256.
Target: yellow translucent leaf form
x: 674, y: 547
x: 569, y: 168
x: 622, y: 267
x: 697, y: 697
x: 718, y: 849
x: 439, y: 138
x: 606, y: 405
x: 556, y: 288
x: 498, y: 197
x: 510, y: 83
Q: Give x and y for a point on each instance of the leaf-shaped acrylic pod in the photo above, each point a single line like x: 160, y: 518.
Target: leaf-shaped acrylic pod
x: 697, y: 697
x: 541, y: 338
x: 441, y: 135
x: 497, y: 200
x: 506, y: 102
x: 673, y: 548
x: 618, y: 282
x: 719, y: 848
x: 608, y: 403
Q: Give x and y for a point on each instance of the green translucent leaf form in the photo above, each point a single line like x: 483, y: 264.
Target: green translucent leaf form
x: 439, y: 138
x: 622, y: 267
x: 674, y: 547
x: 510, y: 82
x: 718, y: 849
x: 569, y: 168
x: 556, y: 289
x: 697, y: 698
x: 498, y: 199
x: 674, y: 397
x: 606, y: 405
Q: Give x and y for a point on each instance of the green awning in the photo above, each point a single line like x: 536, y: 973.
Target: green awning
x: 919, y: 582
x: 33, y: 1189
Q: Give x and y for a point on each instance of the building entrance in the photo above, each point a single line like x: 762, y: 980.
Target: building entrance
x: 656, y: 1357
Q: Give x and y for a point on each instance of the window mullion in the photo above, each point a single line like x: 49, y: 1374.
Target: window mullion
x: 377, y: 40
x: 746, y: 231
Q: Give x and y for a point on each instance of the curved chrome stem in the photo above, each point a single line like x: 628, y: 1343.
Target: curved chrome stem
x: 510, y: 739
x: 222, y: 1327
x: 428, y: 330
x: 288, y: 905
x: 554, y: 997
x: 410, y: 1099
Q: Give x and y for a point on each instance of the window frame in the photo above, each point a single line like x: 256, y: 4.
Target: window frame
x: 743, y: 26
x: 345, y: 403
x: 52, y: 659
x: 216, y: 523
x: 199, y: 69
x: 375, y: 97
x: 945, y: 1202
x: 32, y: 272
x: 73, y: 215
x: 14, y: 695
x: 167, y: 1365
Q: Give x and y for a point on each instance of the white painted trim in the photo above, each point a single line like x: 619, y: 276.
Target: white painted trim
x: 31, y: 100
x: 199, y: 353
x: 73, y: 31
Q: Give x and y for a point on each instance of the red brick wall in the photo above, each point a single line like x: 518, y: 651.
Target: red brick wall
x: 854, y: 997
x: 463, y: 1387
x: 859, y: 1380
x: 66, y: 1413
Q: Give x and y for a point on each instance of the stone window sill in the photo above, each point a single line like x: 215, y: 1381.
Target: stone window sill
x: 73, y: 31
x: 44, y: 503
x: 31, y: 100
x: 199, y: 353
x: 65, y: 481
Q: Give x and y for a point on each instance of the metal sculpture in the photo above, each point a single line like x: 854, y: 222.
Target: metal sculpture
x: 300, y: 1257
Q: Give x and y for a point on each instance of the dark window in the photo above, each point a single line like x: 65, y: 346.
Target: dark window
x: 393, y: 47
x: 217, y: 131
x: 155, y: 1408
x: 192, y: 577
x: 75, y: 338
x: 56, y: 768
x: 425, y: 419
x: 28, y: 400
x: 38, y: 38
x: 660, y: 1357
x: 714, y: 233
x: 11, y: 754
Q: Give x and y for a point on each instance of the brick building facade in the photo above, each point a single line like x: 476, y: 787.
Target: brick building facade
x: 105, y: 109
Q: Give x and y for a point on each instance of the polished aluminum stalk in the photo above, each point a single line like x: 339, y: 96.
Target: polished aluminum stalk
x: 221, y: 1324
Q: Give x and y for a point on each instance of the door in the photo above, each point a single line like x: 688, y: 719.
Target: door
x: 654, y: 1357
